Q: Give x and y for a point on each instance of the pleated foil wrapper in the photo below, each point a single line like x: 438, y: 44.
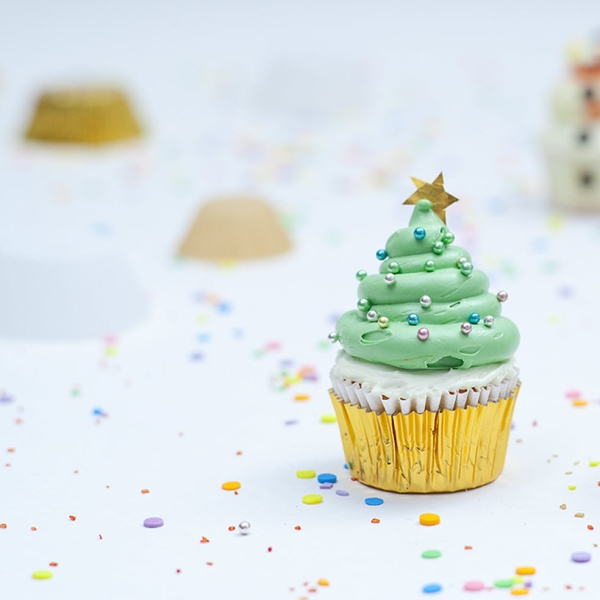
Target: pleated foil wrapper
x: 457, y: 441
x: 83, y: 116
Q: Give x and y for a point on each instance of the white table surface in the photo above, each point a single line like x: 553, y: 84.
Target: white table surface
x: 191, y: 397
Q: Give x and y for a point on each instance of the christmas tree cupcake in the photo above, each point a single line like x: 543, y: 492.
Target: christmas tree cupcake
x: 425, y: 386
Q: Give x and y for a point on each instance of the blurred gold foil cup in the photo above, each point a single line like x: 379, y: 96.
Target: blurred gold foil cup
x: 83, y: 116
x: 443, y: 451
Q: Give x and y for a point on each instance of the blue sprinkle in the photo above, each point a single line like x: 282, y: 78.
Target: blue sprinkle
x: 374, y: 501
x: 238, y: 333
x: 326, y: 486
x: 327, y: 478
x: 381, y: 254
x: 419, y: 233
x: 432, y: 588
x: 224, y: 307
x: 291, y: 422
x: 204, y: 337
x: 98, y: 412
x: 342, y: 493
x: 345, y: 466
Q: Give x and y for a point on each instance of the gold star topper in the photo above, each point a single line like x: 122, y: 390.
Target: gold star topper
x: 435, y: 193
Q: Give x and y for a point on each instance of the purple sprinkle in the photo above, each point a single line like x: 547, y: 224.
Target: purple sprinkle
x: 342, y: 493
x: 291, y: 422
x: 581, y: 557
x: 153, y: 522
x: 288, y: 362
x: 4, y: 397
x: 326, y: 486
x: 528, y: 584
x: 196, y: 356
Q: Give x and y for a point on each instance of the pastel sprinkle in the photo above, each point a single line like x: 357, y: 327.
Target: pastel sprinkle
x: 429, y: 519
x: 572, y: 487
x: 374, y: 501
x: 153, y: 522
x: 323, y: 582
x: 474, y: 586
x: 594, y: 463
x: 301, y: 397
x: 43, y: 574
x: 231, y: 485
x: 328, y: 418
x: 504, y: 583
x: 306, y: 474
x: 342, y: 493
x: 312, y: 499
x: 327, y: 478
x: 431, y: 554
x: 432, y: 588
x: 525, y: 571
x: 326, y: 486
x: 581, y: 557
x: 519, y: 592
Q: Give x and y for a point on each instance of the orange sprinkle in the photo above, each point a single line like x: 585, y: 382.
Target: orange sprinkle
x: 209, y: 564
x: 312, y: 590
x: 297, y: 528
x: 72, y: 517
x: 2, y: 525
x: 54, y: 564
x: 301, y: 397
x: 375, y: 521
x: 590, y: 527
x: 11, y: 450
x: 429, y: 519
x: 580, y: 402
x: 525, y: 570
x: 204, y: 540
x: 356, y: 479
x: 238, y: 453
x: 231, y: 528
x: 145, y: 491
x: 468, y: 547
x: 519, y: 592
x: 323, y: 582
x: 34, y: 529
x: 231, y: 485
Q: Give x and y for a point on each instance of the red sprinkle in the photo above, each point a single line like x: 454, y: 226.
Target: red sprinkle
x: 590, y: 527
x: 269, y: 549
x: 297, y: 528
x: 72, y: 517
x: 54, y: 564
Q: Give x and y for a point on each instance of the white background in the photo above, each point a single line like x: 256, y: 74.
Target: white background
x: 459, y: 86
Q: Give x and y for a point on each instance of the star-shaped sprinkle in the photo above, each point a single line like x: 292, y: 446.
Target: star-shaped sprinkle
x: 435, y: 193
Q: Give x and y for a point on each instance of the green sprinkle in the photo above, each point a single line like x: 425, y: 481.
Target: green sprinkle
x: 431, y: 554
x: 504, y: 583
x: 572, y: 487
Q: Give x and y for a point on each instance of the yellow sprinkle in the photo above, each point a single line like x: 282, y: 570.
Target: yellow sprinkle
x: 42, y: 574
x: 429, y: 519
x: 580, y: 402
x: 312, y: 499
x: 580, y: 515
x: 517, y: 580
x: 306, y: 474
x: 301, y: 397
x: 572, y: 487
x: 519, y: 592
x: 525, y: 570
x: 328, y: 419
x: 202, y: 319
x: 110, y: 351
x: 231, y: 485
x: 323, y: 582
x: 594, y: 463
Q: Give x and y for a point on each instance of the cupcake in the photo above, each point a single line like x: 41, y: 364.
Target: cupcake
x: 425, y: 386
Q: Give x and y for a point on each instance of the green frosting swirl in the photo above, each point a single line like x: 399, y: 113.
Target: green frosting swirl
x: 456, y: 294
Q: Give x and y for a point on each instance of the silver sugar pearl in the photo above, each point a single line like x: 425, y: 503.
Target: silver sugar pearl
x: 466, y: 328
x: 244, y: 527
x: 372, y: 315
x: 333, y: 337
x: 390, y: 278
x: 460, y: 261
x: 425, y: 301
x: 502, y: 296
x: 488, y: 321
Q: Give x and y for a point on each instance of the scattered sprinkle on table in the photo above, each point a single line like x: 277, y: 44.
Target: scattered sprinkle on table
x: 231, y: 485
x: 474, y: 586
x: 327, y: 478
x: 323, y: 582
x: 301, y: 397
x: 519, y: 592
x: 374, y: 501
x: 572, y: 487
x: 312, y: 499
x: 306, y: 474
x: 342, y: 493
x: 328, y: 419
x: 504, y: 583
x: 43, y: 574
x: 153, y: 522
x: 431, y: 554
x: 432, y: 588
x: 581, y: 557
x: 525, y: 571
x: 429, y: 519
x: 326, y: 486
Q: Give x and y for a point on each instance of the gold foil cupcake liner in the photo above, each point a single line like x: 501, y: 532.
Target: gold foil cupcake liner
x: 83, y: 116
x: 442, y: 451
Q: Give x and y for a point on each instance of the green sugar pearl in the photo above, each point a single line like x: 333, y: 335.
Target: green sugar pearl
x: 431, y: 554
x: 360, y: 275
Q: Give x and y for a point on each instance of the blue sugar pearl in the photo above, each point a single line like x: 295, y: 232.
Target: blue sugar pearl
x: 327, y: 478
x: 412, y: 319
x: 432, y: 588
x: 381, y: 254
x: 419, y: 233
x: 373, y: 501
x: 474, y: 318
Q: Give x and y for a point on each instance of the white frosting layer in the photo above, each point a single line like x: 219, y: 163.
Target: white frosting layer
x: 384, y: 380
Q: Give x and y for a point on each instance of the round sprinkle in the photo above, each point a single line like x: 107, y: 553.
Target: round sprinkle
x: 328, y: 418
x: 429, y: 266
x: 381, y: 254
x: 360, y: 275
x: 525, y: 571
x: 312, y: 499
x: 432, y: 588
x: 327, y: 478
x: 429, y: 519
x: 581, y: 557
x: 43, y: 574
x: 412, y: 319
x: 231, y: 485
x: 306, y: 474
x: 423, y: 334
x: 342, y: 493
x: 474, y: 318
x: 374, y: 501
x: 244, y: 527
x: 474, y: 586
x: 431, y: 554
x: 383, y: 322
x: 153, y: 522
x: 504, y: 583
x: 419, y: 233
